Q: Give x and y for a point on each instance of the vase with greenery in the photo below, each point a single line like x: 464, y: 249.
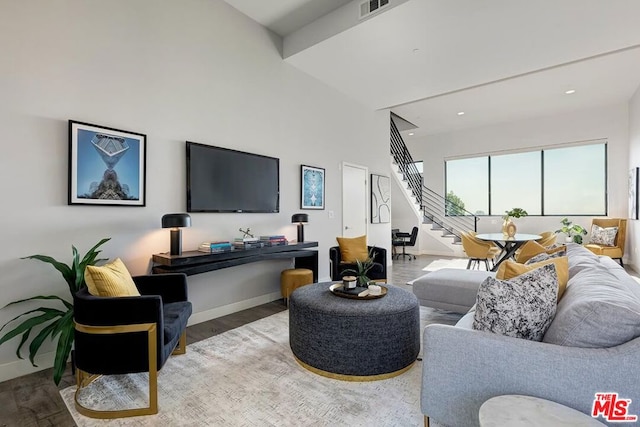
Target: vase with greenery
x: 55, y: 323
x: 508, y: 227
x: 362, y: 269
x: 574, y: 232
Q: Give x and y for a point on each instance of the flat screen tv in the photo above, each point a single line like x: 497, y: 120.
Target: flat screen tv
x: 224, y: 180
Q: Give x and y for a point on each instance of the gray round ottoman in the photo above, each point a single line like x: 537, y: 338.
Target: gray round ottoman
x: 350, y: 339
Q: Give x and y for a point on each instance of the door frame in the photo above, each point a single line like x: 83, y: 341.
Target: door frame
x: 366, y: 195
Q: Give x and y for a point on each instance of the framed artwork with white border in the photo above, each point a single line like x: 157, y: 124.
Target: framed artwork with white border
x: 312, y: 185
x: 106, y: 166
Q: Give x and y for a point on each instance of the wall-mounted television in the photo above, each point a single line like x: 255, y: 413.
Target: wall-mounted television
x: 224, y: 180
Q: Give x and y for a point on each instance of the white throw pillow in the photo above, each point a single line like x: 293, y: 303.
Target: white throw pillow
x: 522, y: 307
x: 603, y: 236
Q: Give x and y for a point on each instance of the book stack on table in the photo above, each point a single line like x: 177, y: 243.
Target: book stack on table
x: 215, y: 247
x: 277, y: 240
x: 247, y: 243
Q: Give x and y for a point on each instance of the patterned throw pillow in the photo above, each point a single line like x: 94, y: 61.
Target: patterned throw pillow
x: 522, y: 307
x: 545, y: 256
x: 603, y: 236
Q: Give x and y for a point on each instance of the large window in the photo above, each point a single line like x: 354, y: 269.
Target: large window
x: 468, y: 184
x: 558, y: 181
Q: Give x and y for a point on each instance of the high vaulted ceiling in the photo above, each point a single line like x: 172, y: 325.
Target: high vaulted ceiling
x: 494, y: 60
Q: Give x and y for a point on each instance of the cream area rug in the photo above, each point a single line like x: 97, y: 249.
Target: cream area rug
x: 248, y: 377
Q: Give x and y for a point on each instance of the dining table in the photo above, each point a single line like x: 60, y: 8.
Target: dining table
x: 508, y: 245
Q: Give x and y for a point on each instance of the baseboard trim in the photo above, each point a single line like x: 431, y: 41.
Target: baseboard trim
x: 214, y: 313
x: 20, y: 367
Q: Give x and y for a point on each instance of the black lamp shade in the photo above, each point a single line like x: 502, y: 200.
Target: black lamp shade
x: 175, y: 222
x: 300, y: 218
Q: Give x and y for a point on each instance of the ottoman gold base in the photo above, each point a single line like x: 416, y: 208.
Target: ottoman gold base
x: 354, y: 378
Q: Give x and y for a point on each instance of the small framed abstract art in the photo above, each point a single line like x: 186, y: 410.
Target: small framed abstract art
x: 380, y: 199
x: 633, y: 193
x: 312, y: 185
x: 106, y: 166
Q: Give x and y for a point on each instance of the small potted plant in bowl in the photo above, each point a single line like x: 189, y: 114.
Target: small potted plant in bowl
x: 362, y: 269
x: 508, y: 227
x: 573, y: 231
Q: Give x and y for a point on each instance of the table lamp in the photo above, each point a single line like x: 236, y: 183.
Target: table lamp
x: 300, y: 219
x: 175, y: 222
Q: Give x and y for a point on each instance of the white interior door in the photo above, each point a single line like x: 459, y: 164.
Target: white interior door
x: 354, y: 200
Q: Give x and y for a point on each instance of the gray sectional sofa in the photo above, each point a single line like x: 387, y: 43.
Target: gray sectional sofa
x: 591, y: 346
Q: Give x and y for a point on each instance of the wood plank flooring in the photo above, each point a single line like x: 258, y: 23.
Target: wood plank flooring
x: 33, y: 400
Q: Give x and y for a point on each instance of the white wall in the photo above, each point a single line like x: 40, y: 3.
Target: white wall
x: 193, y: 70
x: 610, y: 122
x: 633, y: 230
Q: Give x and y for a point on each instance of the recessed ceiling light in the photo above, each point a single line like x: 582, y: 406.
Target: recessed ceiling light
x: 416, y: 50
x: 411, y: 134
x: 570, y: 91
x: 461, y: 113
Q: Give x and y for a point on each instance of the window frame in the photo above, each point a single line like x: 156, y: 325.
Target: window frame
x: 541, y: 150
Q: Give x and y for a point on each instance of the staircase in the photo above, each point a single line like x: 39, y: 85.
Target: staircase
x: 444, y: 215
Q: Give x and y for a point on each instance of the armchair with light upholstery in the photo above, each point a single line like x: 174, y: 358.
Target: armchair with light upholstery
x: 478, y: 250
x: 128, y: 334
x: 617, y: 250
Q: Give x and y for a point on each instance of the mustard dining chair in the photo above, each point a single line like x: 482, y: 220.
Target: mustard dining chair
x: 478, y: 250
x: 547, y: 238
x: 617, y: 250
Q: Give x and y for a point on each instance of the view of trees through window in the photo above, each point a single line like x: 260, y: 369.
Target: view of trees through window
x: 557, y: 181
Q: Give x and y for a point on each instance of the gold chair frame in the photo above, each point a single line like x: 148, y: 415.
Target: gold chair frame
x: 83, y: 379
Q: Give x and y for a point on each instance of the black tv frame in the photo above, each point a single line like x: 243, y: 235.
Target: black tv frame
x: 244, y: 153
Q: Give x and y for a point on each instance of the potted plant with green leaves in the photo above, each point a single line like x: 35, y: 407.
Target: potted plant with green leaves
x: 574, y: 232
x: 53, y: 322
x: 362, y: 269
x: 508, y: 226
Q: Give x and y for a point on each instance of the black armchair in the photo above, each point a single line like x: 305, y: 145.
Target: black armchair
x: 377, y: 272
x: 122, y: 335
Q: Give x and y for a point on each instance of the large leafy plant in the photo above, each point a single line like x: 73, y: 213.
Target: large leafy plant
x: 574, y: 231
x: 57, y: 323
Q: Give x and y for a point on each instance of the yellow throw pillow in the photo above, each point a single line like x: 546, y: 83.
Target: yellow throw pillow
x: 353, y: 249
x: 510, y: 269
x: 533, y: 248
x: 110, y: 280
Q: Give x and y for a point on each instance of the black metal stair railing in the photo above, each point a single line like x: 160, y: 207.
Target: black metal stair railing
x: 448, y: 215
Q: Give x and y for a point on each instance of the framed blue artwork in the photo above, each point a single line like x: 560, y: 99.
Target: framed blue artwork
x: 106, y: 166
x: 312, y: 185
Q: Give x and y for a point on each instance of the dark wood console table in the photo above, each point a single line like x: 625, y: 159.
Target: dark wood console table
x: 195, y: 262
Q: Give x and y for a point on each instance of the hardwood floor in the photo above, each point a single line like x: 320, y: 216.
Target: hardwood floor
x: 33, y: 400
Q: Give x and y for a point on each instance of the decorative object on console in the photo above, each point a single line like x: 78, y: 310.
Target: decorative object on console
x: 175, y: 222
x: 246, y: 233
x: 91, y: 148
x: 300, y: 219
x: 380, y: 199
x: 508, y: 227
x: 312, y: 186
x: 61, y: 321
x: 573, y: 231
